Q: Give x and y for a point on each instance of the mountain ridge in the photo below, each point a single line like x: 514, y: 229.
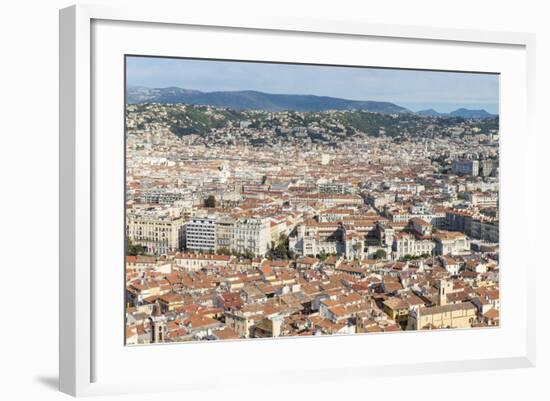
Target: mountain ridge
x: 256, y: 100
x: 460, y: 112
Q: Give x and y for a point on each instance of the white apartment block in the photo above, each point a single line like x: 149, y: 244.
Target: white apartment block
x: 200, y: 234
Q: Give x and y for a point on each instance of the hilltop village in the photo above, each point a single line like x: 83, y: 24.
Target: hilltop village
x: 249, y: 224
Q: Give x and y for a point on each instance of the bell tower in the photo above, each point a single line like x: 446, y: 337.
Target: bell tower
x: 158, y: 324
x: 444, y: 287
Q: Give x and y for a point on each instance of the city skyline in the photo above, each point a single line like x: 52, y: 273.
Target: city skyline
x: 253, y: 215
x: 413, y: 89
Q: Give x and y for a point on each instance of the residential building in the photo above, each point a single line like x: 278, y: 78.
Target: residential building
x: 405, y: 243
x: 451, y: 243
x: 252, y: 235
x: 465, y: 167
x: 196, y: 261
x: 225, y: 233
x: 200, y: 234
x: 158, y: 229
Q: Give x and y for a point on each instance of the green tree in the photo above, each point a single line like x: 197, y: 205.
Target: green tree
x: 210, y: 201
x: 281, y: 250
x: 248, y: 254
x: 380, y: 254
x: 224, y: 251
x: 134, y: 250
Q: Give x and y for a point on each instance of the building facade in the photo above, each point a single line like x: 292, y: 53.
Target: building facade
x: 465, y: 167
x: 458, y: 316
x: 225, y: 233
x: 408, y: 244
x: 159, y: 230
x: 200, y: 234
x: 252, y: 235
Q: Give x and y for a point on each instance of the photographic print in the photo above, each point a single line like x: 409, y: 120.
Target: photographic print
x: 269, y: 200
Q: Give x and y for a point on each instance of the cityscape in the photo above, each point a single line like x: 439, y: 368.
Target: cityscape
x: 272, y: 200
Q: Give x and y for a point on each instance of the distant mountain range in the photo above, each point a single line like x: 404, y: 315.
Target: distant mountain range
x: 253, y: 100
x: 462, y: 112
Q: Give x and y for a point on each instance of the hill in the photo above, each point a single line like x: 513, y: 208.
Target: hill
x: 253, y: 100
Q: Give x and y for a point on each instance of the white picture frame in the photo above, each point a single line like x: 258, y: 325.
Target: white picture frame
x: 81, y: 346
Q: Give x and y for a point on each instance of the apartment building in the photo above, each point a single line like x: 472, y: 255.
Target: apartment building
x: 158, y: 229
x: 252, y: 235
x: 451, y: 243
x: 200, y: 234
x: 485, y: 230
x: 408, y: 244
x: 194, y: 261
x: 225, y: 233
x: 163, y: 197
x: 486, y: 167
x: 335, y: 188
x: 379, y: 199
x: 482, y: 199
x: 312, y: 238
x: 465, y: 167
x: 477, y: 227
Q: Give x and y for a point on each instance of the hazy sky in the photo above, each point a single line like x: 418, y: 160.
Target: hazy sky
x: 416, y: 90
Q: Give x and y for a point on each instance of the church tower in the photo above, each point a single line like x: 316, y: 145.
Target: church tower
x: 444, y: 287
x: 158, y: 324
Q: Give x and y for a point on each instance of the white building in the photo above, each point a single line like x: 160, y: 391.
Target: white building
x: 450, y: 264
x: 335, y: 188
x: 200, y: 234
x: 252, y: 235
x: 482, y: 199
x: 158, y: 229
x: 194, y: 261
x: 451, y: 243
x: 407, y: 244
